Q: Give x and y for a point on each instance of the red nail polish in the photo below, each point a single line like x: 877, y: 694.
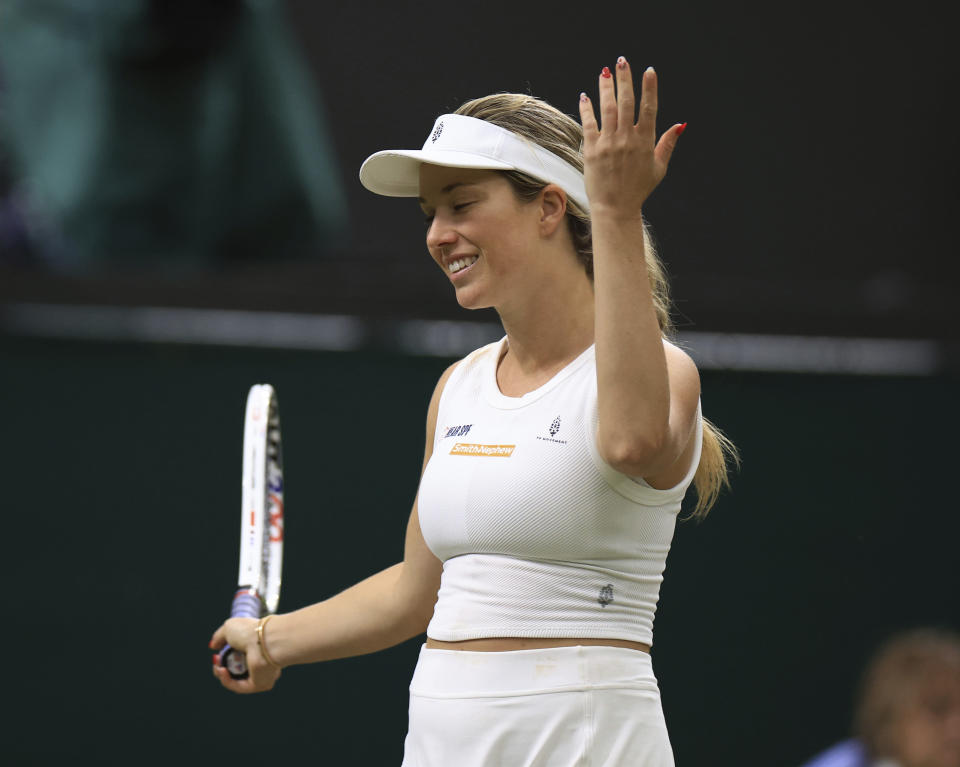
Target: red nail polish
x: 216, y: 659
x: 621, y: 63
x: 583, y: 97
x: 606, y: 72
x: 681, y: 129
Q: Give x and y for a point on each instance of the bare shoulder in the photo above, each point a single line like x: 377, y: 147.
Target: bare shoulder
x: 471, y: 358
x: 684, y: 397
x: 441, y: 384
x: 434, y: 408
x: 445, y: 376
x: 684, y: 376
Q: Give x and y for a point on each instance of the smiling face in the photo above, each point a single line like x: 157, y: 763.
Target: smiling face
x: 479, y: 233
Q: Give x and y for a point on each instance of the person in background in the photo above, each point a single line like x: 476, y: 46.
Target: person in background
x: 908, y: 707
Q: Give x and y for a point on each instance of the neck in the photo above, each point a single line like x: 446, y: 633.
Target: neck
x: 551, y: 325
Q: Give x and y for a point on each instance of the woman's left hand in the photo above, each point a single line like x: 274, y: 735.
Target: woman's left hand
x: 623, y: 161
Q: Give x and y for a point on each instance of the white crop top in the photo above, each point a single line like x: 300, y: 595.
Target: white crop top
x: 538, y: 535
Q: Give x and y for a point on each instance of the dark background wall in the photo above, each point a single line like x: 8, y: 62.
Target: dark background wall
x: 815, y: 192
x: 815, y: 189
x: 121, y: 483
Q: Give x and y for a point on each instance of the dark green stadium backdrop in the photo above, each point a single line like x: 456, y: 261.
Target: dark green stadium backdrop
x: 121, y: 481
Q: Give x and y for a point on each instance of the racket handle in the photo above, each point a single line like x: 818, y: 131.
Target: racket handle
x: 246, y: 604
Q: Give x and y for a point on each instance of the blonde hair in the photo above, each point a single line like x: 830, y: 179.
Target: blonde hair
x: 534, y: 119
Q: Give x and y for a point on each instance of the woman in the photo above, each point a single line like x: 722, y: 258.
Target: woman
x: 556, y: 459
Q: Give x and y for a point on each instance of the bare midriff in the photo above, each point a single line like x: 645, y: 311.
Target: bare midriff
x: 505, y: 644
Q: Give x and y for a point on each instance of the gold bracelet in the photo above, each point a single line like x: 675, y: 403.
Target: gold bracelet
x: 261, y: 642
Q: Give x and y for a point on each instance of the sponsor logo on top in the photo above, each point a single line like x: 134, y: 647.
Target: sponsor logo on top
x: 457, y: 431
x: 483, y: 451
x: 553, y: 430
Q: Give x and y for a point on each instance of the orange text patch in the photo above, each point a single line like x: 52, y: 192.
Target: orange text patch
x: 488, y: 451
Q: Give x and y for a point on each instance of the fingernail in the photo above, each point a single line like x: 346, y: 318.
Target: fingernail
x: 681, y: 129
x: 651, y: 69
x: 583, y: 97
x: 606, y: 72
x: 621, y: 63
x: 211, y: 644
x: 216, y: 659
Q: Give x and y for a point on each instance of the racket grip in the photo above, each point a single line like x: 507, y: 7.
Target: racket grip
x: 246, y: 604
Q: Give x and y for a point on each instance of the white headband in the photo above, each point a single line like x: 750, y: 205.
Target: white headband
x: 457, y: 141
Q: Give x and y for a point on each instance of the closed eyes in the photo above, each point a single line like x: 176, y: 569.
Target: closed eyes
x: 456, y: 209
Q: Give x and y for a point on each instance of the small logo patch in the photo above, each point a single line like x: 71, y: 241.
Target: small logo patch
x: 553, y: 429
x: 458, y: 431
x: 436, y: 132
x: 484, y: 451
x: 606, y: 595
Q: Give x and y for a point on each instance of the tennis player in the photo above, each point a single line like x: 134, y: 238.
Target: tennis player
x: 556, y: 458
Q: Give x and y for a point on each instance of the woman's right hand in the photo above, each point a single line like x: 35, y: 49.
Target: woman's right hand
x: 241, y: 634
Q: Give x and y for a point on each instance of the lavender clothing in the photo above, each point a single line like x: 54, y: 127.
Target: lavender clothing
x: 848, y: 753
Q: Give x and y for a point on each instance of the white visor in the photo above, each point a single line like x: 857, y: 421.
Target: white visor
x: 457, y: 141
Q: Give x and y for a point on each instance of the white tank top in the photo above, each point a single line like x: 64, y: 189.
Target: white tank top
x: 538, y: 535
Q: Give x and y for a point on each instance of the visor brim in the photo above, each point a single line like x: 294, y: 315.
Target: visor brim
x: 396, y: 172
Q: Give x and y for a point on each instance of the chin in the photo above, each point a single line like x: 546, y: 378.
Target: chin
x: 470, y: 300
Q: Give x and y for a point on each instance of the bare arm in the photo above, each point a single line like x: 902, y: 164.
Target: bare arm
x: 381, y: 611
x: 647, y: 389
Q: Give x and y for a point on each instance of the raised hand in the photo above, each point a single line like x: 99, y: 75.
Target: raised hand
x: 623, y: 161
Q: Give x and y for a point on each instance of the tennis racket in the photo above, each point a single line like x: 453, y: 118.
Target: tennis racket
x: 261, y: 521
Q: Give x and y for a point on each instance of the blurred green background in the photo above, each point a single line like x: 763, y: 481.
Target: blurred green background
x: 122, y: 467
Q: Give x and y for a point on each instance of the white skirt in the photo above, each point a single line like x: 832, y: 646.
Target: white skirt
x: 592, y: 706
